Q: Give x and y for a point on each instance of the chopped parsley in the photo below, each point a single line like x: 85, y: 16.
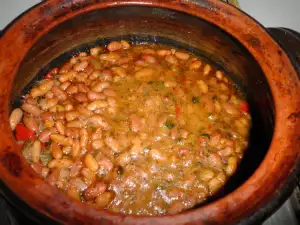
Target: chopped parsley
x: 120, y: 170
x: 195, y: 100
x: 157, y: 85
x: 205, y: 135
x: 169, y: 124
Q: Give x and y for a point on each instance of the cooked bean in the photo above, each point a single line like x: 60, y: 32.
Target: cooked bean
x: 96, y: 105
x: 149, y: 58
x: 97, y: 144
x: 170, y: 84
x: 30, y: 100
x: 31, y: 109
x: 226, y: 152
x: 114, y: 46
x: 72, y: 115
x: 182, y: 55
x: 81, y: 66
x: 109, y: 92
x: 106, y: 75
x: 65, y: 85
x: 75, y: 124
x: 219, y: 75
x: 164, y: 52
x: 95, y: 51
x: 104, y: 199
x: 176, y: 207
x: 15, y: 118
x: 84, y: 138
x: 135, y: 123
x: 72, y: 89
x: 75, y: 169
x: 45, y: 135
x: 89, y: 176
x: 203, y: 86
x: 60, y: 139
x: 98, y: 87
x: 95, y: 96
x: 146, y: 72
x: 45, y: 172
x: 66, y: 150
x: 232, y: 165
x: 110, y: 57
x: 66, y: 67
x: 97, y: 120
x: 119, y: 71
x: 75, y: 148
x: 30, y: 123
x: 80, y: 97
x: 56, y: 151
x: 195, y: 65
x: 67, y: 76
x: 206, y: 174
x: 216, y: 183
x: 229, y: 108
x: 97, y: 134
x: 69, y: 107
x: 82, y: 88
x: 112, y: 101
x: 91, y: 162
x: 72, y: 132
x: 206, y: 69
x: 60, y: 127
x: 60, y: 163
x: 171, y: 59
x: 36, y: 151
x: 49, y: 103
x: 215, y: 160
x: 60, y: 94
x: 112, y: 143
x: 93, y: 192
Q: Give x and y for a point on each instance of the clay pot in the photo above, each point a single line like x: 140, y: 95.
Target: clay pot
x: 218, y: 31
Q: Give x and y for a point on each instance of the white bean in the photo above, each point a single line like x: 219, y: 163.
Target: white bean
x: 15, y: 118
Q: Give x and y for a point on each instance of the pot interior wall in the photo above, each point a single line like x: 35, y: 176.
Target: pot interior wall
x: 148, y: 24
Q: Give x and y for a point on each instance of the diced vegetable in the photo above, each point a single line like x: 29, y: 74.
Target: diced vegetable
x: 157, y: 85
x: 195, y: 100
x: 205, y: 135
x: 177, y: 110
x: 23, y: 133
x: 49, y: 76
x: 45, y: 157
x: 169, y: 124
x: 26, y: 151
x: 244, y: 107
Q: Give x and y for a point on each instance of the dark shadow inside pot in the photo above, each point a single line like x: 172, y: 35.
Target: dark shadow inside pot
x: 148, y: 24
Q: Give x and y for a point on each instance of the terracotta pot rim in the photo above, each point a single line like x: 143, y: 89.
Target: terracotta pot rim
x: 285, y: 142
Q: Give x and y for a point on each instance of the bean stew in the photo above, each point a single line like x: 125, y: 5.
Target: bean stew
x: 137, y: 129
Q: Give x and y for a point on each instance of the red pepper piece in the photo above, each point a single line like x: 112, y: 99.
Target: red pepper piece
x: 244, y: 107
x: 49, y: 76
x: 23, y: 133
x: 177, y: 110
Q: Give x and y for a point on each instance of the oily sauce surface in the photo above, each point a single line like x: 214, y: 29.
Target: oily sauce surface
x: 142, y: 129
